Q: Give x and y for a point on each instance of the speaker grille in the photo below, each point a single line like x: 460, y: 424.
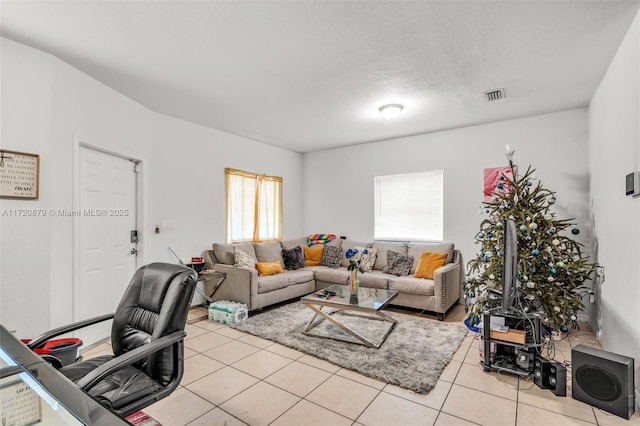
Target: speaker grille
x: 598, y: 383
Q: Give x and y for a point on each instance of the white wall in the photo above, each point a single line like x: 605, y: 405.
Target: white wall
x: 614, y: 151
x: 45, y: 104
x: 338, y: 184
x: 189, y: 183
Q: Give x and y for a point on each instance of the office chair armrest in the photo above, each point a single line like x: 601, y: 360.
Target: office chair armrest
x: 91, y: 379
x: 40, y: 340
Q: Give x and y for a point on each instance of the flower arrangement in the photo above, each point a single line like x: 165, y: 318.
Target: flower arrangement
x: 355, y: 258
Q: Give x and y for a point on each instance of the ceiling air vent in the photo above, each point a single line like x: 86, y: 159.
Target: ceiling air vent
x: 494, y: 95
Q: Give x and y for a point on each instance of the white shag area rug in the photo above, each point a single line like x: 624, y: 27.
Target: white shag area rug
x: 413, y: 355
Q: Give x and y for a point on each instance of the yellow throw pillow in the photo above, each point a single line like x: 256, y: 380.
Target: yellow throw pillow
x: 312, y: 256
x: 428, y: 263
x: 269, y: 268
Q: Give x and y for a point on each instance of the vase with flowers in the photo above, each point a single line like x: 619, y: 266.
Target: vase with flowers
x: 355, y: 257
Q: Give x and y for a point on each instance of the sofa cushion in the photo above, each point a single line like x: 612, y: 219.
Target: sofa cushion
x: 312, y: 256
x: 289, y: 244
x: 331, y: 256
x: 334, y: 276
x: 269, y: 268
x: 428, y: 263
x: 241, y: 258
x: 224, y: 252
x: 368, y: 258
x: 416, y: 250
x: 269, y: 252
x: 299, y: 276
x: 398, y: 264
x: 293, y: 258
x: 412, y: 285
x: 346, y: 245
x: 383, y: 247
x: 374, y: 279
x: 269, y: 283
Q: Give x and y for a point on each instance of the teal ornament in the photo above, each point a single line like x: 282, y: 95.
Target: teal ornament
x: 481, y: 235
x: 553, y: 270
x: 575, y: 231
x: 500, y: 185
x: 535, y: 252
x: 552, y: 200
x: 523, y: 228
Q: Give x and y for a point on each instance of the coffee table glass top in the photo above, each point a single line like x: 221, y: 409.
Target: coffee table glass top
x: 368, y: 298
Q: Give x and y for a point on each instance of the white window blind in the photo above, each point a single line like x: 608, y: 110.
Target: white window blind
x: 409, y: 207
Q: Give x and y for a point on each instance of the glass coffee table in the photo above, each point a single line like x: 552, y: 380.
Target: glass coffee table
x: 341, y: 307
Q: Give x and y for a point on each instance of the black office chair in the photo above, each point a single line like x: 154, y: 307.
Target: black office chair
x: 147, y: 337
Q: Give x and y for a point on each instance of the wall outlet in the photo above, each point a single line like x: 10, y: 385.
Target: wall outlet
x: 167, y: 225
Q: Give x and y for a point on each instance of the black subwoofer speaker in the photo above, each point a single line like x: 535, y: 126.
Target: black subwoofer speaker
x: 603, y: 379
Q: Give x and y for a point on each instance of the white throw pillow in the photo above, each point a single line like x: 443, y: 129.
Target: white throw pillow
x: 241, y: 258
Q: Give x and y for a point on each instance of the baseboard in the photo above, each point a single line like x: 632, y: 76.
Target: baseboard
x: 637, y: 392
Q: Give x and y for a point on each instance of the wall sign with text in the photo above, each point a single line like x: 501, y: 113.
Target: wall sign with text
x: 19, y: 174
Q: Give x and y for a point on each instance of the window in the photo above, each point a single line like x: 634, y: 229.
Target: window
x: 408, y: 207
x: 254, y: 206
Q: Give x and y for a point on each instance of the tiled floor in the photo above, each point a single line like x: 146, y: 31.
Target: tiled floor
x: 232, y: 378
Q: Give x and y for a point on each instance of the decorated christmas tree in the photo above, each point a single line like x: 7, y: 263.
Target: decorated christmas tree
x: 552, y: 272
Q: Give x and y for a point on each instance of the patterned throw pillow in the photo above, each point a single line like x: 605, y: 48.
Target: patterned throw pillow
x: 293, y: 258
x: 368, y: 259
x: 331, y: 256
x: 241, y: 258
x: 398, y: 264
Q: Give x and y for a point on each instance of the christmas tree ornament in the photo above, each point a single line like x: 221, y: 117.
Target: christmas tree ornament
x: 564, y: 329
x: 557, y: 308
x: 556, y: 242
x: 533, y: 226
x: 531, y: 284
x: 535, y: 252
x: 523, y: 228
x: 552, y: 200
x: 553, y: 271
x: 550, y: 279
x: 500, y: 185
x: 575, y: 231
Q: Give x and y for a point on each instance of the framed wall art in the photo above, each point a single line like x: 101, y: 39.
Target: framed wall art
x: 19, y: 174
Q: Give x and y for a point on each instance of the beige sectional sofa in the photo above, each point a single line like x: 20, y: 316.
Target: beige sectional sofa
x: 244, y: 284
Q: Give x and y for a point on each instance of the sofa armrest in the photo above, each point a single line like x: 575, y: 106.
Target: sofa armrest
x: 446, y: 281
x: 239, y: 285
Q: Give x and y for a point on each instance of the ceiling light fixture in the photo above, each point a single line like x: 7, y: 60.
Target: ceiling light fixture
x: 391, y: 111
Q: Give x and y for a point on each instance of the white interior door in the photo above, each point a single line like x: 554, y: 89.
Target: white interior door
x: 107, y: 256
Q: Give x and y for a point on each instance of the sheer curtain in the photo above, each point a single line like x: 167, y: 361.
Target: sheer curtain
x: 254, y: 206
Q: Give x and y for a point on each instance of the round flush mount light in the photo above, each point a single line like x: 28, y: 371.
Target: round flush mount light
x: 391, y: 111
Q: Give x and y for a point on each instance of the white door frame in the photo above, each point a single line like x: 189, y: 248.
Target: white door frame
x: 79, y: 142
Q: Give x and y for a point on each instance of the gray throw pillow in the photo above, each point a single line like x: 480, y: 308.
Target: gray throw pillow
x: 398, y: 264
x: 331, y: 256
x: 293, y: 258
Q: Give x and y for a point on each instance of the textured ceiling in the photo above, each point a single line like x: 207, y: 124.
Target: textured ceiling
x: 309, y: 76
